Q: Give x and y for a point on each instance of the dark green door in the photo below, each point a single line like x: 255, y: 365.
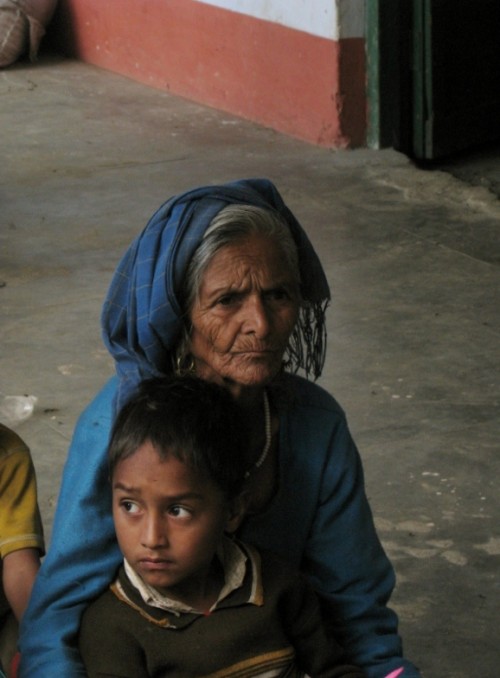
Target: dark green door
x: 433, y: 75
x: 456, y: 75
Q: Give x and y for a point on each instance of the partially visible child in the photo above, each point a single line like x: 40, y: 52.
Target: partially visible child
x: 21, y: 537
x: 189, y: 600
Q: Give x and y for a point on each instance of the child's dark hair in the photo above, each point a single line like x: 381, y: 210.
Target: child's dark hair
x: 197, y: 421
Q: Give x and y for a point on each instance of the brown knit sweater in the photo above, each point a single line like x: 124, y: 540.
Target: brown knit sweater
x: 270, y: 626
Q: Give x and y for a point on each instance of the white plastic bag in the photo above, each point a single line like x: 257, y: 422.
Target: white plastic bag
x: 16, y: 409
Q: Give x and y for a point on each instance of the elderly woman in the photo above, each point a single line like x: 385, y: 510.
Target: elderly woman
x: 224, y: 282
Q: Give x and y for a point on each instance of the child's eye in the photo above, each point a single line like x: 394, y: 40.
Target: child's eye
x: 129, y: 506
x: 179, y: 512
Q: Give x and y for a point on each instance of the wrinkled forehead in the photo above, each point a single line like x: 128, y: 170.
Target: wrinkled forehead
x: 257, y: 260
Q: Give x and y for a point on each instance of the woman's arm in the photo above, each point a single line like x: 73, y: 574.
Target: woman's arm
x: 321, y: 523
x: 317, y: 652
x: 83, y: 554
x: 346, y: 563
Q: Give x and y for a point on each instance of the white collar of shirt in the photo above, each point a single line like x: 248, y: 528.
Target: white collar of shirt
x: 233, y: 562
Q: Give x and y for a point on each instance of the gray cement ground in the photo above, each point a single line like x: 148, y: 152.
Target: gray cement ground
x: 412, y: 257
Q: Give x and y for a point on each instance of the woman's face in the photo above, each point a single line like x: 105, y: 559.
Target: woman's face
x: 246, y: 309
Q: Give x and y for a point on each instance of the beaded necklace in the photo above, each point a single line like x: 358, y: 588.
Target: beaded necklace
x: 267, y: 444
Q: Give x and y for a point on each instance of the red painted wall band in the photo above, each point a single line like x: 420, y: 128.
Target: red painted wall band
x: 305, y: 86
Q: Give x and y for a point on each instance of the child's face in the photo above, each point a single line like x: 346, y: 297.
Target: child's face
x: 168, y: 520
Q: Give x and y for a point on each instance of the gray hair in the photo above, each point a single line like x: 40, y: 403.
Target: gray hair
x: 236, y: 222
x: 231, y: 224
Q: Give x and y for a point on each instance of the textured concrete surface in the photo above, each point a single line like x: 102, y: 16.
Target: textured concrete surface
x: 477, y: 167
x: 412, y: 257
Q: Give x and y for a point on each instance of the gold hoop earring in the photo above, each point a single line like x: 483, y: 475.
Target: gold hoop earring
x: 184, y: 364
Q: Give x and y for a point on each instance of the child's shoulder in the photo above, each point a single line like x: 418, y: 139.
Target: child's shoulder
x: 10, y: 443
x: 282, y: 587
x: 274, y: 569
x: 101, y: 610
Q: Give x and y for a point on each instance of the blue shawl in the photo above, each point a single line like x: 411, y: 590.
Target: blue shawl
x: 142, y: 317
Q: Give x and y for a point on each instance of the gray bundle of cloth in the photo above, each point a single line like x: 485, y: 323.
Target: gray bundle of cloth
x: 22, y: 27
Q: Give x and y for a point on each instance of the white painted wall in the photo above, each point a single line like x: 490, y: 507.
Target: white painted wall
x: 331, y: 19
x: 350, y: 18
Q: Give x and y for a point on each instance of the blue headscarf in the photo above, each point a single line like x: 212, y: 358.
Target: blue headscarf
x: 142, y: 318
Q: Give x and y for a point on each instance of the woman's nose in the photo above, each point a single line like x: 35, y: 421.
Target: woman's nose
x: 154, y: 534
x: 257, y: 318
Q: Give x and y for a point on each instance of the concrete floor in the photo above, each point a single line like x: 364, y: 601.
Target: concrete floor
x: 413, y: 260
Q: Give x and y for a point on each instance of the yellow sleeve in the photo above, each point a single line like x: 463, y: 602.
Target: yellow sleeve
x: 20, y: 522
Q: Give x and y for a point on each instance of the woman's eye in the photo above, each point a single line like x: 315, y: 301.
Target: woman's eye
x: 279, y: 294
x: 226, y: 300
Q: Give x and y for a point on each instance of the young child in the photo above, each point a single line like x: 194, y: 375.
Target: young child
x: 189, y: 600
x: 21, y: 537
